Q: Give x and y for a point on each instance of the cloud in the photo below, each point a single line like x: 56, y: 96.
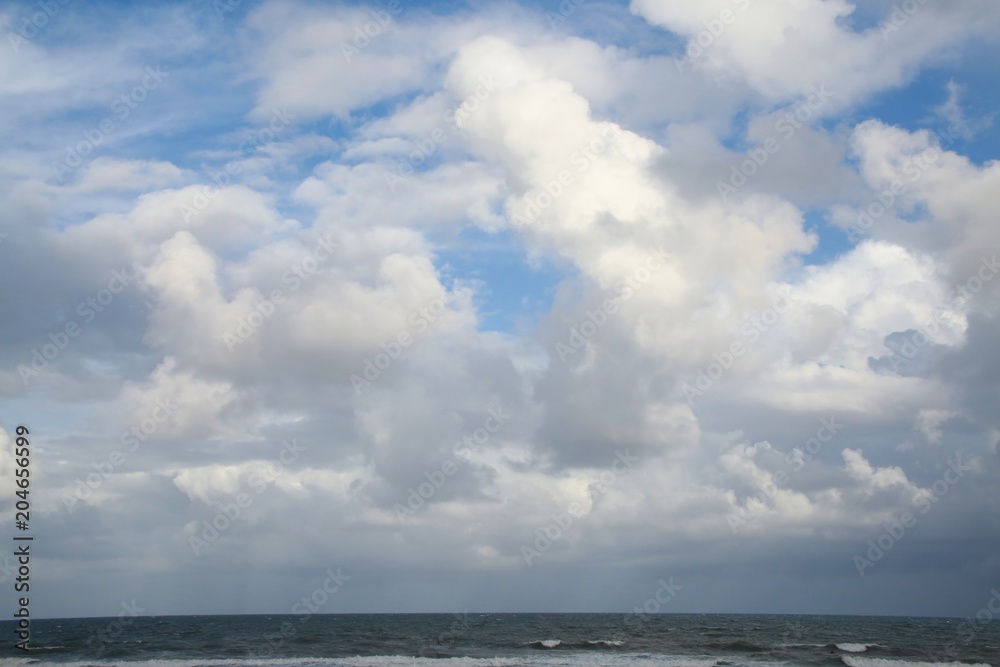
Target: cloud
x: 781, y: 48
x: 951, y: 112
x: 307, y: 239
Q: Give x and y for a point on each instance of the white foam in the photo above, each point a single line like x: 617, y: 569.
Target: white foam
x: 550, y: 643
x: 854, y: 648
x: 596, y: 659
x: 858, y: 661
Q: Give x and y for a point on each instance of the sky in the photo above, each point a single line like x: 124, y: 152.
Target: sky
x: 502, y: 307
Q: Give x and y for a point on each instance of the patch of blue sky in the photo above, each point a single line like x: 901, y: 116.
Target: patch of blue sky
x: 607, y: 24
x: 44, y: 418
x: 788, y: 119
x: 833, y: 241
x: 915, y: 107
x: 867, y: 15
x: 512, y: 291
x: 736, y: 139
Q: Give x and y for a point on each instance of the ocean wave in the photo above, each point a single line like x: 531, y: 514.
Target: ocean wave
x: 854, y: 648
x: 858, y: 661
x: 740, y: 645
x: 588, y: 644
x: 597, y: 659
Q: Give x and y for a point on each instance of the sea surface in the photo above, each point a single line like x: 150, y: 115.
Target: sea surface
x: 505, y: 640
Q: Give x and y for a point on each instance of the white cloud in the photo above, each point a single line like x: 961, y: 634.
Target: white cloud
x: 257, y: 299
x: 130, y: 175
x: 782, y: 49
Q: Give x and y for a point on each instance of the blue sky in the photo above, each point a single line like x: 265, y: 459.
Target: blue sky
x: 623, y: 243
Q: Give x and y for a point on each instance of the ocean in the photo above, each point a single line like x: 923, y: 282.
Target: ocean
x: 506, y: 640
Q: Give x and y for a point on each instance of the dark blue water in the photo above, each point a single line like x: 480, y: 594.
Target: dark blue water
x: 506, y: 640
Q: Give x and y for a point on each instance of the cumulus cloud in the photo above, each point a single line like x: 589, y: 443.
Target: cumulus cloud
x: 416, y: 284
